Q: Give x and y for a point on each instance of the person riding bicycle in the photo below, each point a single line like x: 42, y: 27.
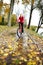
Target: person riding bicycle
x: 21, y: 22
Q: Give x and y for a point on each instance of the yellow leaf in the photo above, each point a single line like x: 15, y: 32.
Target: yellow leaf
x: 6, y: 54
x: 37, y: 58
x: 20, y: 63
x: 13, y: 39
x: 33, y: 54
x: 21, y: 58
x: 25, y: 60
x: 6, y: 50
x: 32, y: 1
x: 1, y: 51
x: 7, y: 10
x: 1, y: 4
x: 9, y: 46
x: 4, y: 63
x: 30, y: 41
x: 31, y: 63
x: 30, y: 56
x: 0, y: 18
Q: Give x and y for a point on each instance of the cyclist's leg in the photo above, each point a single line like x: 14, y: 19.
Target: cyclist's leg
x: 19, y: 25
x: 22, y: 27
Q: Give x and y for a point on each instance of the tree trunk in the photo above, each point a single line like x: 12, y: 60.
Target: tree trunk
x: 3, y: 20
x: 1, y: 4
x: 39, y: 24
x: 10, y: 13
x: 1, y: 0
x: 30, y: 15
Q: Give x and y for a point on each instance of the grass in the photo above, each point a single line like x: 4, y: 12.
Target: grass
x: 33, y: 32
x: 3, y: 27
x: 30, y: 30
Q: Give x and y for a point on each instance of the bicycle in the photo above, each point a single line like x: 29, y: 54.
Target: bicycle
x: 19, y: 31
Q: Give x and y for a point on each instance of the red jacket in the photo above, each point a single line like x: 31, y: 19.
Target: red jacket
x: 21, y: 19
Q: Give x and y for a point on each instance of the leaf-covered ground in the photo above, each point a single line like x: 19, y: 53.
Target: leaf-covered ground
x: 13, y: 52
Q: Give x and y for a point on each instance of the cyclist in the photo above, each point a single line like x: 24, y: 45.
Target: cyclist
x: 21, y: 22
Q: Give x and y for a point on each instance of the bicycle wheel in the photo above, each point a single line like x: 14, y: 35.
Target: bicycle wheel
x: 18, y: 33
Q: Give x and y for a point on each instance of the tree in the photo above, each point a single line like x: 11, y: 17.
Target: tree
x: 33, y: 6
x: 1, y: 11
x: 32, y: 2
x: 13, y: 19
x: 1, y: 4
x: 40, y: 6
x: 10, y: 12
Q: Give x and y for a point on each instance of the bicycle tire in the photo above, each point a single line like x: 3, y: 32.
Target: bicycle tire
x: 18, y: 33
